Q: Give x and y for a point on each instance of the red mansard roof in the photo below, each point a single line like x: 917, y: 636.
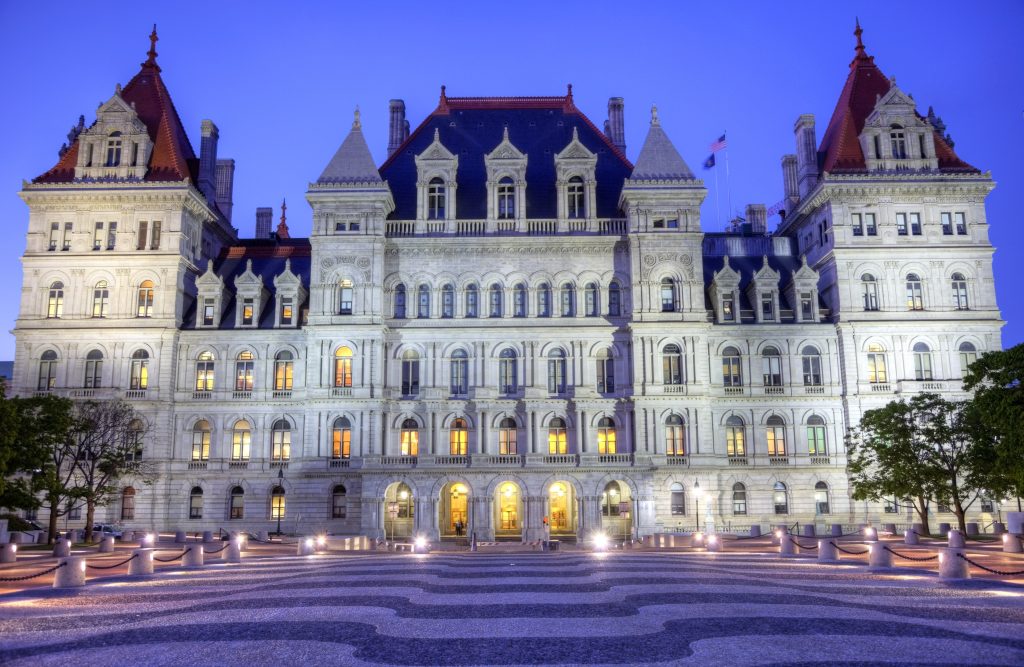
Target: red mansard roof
x: 840, y: 145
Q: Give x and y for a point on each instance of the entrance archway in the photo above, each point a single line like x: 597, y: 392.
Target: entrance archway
x: 399, y: 511
x: 454, y: 510
x: 617, y: 510
x: 562, y: 509
x: 508, y: 504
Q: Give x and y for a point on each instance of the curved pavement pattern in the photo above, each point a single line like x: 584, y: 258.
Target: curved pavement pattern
x: 462, y: 609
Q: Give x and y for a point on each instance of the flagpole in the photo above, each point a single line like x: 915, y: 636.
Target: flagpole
x: 728, y: 181
x: 718, y: 208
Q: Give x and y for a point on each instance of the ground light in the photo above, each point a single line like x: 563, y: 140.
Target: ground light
x: 600, y: 542
x: 420, y: 543
x: 150, y: 539
x: 321, y: 541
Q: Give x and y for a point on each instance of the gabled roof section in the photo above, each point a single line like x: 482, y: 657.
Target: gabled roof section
x: 353, y: 162
x: 840, y: 149
x: 173, y: 158
x: 659, y: 160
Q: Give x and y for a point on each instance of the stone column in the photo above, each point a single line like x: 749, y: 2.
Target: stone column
x: 580, y: 428
x: 646, y: 515
x: 482, y: 518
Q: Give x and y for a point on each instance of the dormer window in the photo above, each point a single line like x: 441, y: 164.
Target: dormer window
x: 506, y: 199
x: 436, y: 199
x: 113, y: 150
x: 898, y: 142
x: 574, y: 198
x: 248, y: 308
x: 767, y: 307
x: 728, y: 308
x: 806, y: 306
x: 208, y: 312
x: 287, y: 311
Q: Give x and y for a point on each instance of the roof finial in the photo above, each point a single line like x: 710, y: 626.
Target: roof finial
x: 282, y: 227
x: 442, y: 104
x: 151, y: 60
x: 654, y: 115
x: 568, y: 95
x: 356, y: 121
x: 860, y: 44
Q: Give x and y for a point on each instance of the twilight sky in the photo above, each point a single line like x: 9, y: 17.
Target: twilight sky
x: 281, y: 80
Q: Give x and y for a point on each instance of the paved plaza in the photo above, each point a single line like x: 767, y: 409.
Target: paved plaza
x: 518, y: 608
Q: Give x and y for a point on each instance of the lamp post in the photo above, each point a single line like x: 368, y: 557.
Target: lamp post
x: 696, y: 500
x: 280, y: 485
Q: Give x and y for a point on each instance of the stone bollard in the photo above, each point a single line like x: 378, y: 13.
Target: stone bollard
x: 956, y: 539
x: 107, y: 544
x: 998, y: 528
x: 714, y: 543
x: 71, y: 574
x: 837, y: 529
x: 18, y: 538
x: 42, y: 537
x: 809, y: 530
x: 1015, y: 522
x: 755, y: 531
x: 943, y: 529
x: 1012, y: 544
x: 128, y: 536
x: 918, y: 528
x: 827, y: 552
x: 972, y: 529
x: 193, y: 556
x: 264, y: 536
x: 911, y: 537
x: 73, y: 536
x: 889, y: 528
x: 870, y: 534
x: 786, y: 546
x: 305, y: 547
x: 879, y: 557
x: 207, y: 536
x: 234, y: 553
x: 8, y: 553
x: 143, y: 563
x: 180, y: 537
x: 62, y: 548
x: 952, y: 566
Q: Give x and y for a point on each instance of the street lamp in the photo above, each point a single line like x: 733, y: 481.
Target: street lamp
x: 280, y: 485
x: 696, y: 500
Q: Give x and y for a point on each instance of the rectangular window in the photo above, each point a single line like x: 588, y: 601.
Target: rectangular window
x: 961, y: 223
x: 915, y: 224
x: 728, y: 309
x: 659, y: 223
x: 947, y: 224
x: 556, y: 376
x: 286, y: 311
x: 812, y: 370
x: 155, y: 243
x: 97, y: 237
x: 731, y: 375
x: 806, y: 306
x: 207, y: 312
x: 54, y: 235
x: 672, y: 223
x: 140, y: 243
x: 111, y: 235
x: 772, y: 371
x: 858, y: 224
x: 869, y: 223
x: 901, y: 224
x: 459, y: 381
x: 767, y: 307
x: 248, y: 306
x: 606, y: 376
x: 339, y: 226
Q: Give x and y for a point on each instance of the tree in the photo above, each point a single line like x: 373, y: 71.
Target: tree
x: 45, y: 427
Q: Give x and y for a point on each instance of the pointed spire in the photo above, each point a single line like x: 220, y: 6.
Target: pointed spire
x: 151, y: 59
x: 659, y: 160
x: 861, y: 54
x: 357, y: 122
x: 352, y: 163
x: 282, y: 227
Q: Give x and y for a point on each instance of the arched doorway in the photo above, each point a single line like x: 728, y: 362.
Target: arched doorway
x: 454, y: 510
x: 616, y: 510
x: 399, y: 511
x: 508, y: 503
x: 562, y: 509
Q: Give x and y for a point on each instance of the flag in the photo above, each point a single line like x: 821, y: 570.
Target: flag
x: 718, y: 145
x: 710, y: 162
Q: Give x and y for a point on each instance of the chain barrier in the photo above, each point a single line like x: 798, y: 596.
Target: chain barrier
x: 920, y: 560
x: 111, y: 567
x: 226, y: 545
x: 168, y: 560
x: 1002, y: 573
x: 847, y: 551
x: 802, y: 546
x: 37, y: 574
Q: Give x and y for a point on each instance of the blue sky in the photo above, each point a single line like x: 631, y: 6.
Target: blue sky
x: 281, y: 81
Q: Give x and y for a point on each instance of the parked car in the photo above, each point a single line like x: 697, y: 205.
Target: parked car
x: 105, y: 529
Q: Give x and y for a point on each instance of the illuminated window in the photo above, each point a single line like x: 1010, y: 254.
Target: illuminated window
x: 244, y: 369
x: 732, y: 373
x: 277, y: 504
x: 775, y: 432
x: 201, y: 441
x: 343, y: 367
x: 675, y: 436
x: 205, y: 372
x: 241, y: 441
x: 915, y: 300
x: 281, y: 441
x: 968, y: 355
x: 100, y: 299
x: 145, y: 299
x: 458, y: 437
x: 876, y: 364
x: 55, y: 303
x: 739, y: 499
x: 671, y: 365
x: 610, y: 499
x: 816, y: 445
x: 734, y: 437
x: 557, y: 443
x: 248, y: 311
x: 410, y: 438
x: 606, y: 436
x: 507, y: 434
x: 284, y: 371
x: 140, y: 370
x: 341, y: 439
x: 780, y: 498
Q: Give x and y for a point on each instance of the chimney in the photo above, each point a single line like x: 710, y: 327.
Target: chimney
x: 615, y: 126
x: 806, y: 153
x: 208, y: 161
x: 264, y: 218
x: 790, y: 184
x: 225, y: 186
x: 757, y: 218
x: 398, y: 127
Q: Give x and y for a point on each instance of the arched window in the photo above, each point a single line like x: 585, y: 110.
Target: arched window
x: 508, y: 372
x: 410, y: 373
x: 898, y: 142
x: 610, y: 499
x: 437, y: 199
x: 606, y: 436
x: 922, y: 362
x: 507, y: 435
x: 821, y: 498
x: 816, y: 442
x: 675, y: 436
x: 343, y: 367
x: 677, y: 499
x: 614, y: 299
x: 100, y: 299
x: 605, y: 372
x: 780, y: 498
x: 338, y: 504
x: 959, y: 285
x: 400, y: 302
x: 345, y: 297
x: 876, y: 364
x: 671, y: 365
x: 136, y: 431
x: 128, y: 504
x: 55, y: 302
x: 869, y: 291
x: 423, y: 302
x: 284, y: 371
x: 668, y: 295
x: 557, y: 443
x: 544, y: 300
x: 556, y: 371
x: 574, y: 198
x: 241, y: 440
x: 506, y: 199
x: 568, y: 300
x: 771, y: 366
x: 140, y: 370
x: 811, y: 360
x: 775, y: 432
x: 195, y: 503
x: 145, y: 299
x: 47, y: 371
x: 205, y: 366
x: 410, y: 438
x: 458, y: 437
x: 237, y: 507
x: 732, y: 372
x: 277, y: 505
x: 459, y: 373
x: 201, y: 441
x: 93, y: 370
x: 592, y: 300
x: 281, y: 441
x: 739, y: 499
x: 968, y: 355
x: 915, y: 300
x: 245, y: 365
x: 472, y: 301
x: 448, y: 301
x: 113, y: 150
x: 519, y: 301
x: 495, y: 300
x: 341, y: 439
x: 734, y: 437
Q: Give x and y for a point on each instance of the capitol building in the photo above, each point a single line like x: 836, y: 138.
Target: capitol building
x: 509, y: 325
